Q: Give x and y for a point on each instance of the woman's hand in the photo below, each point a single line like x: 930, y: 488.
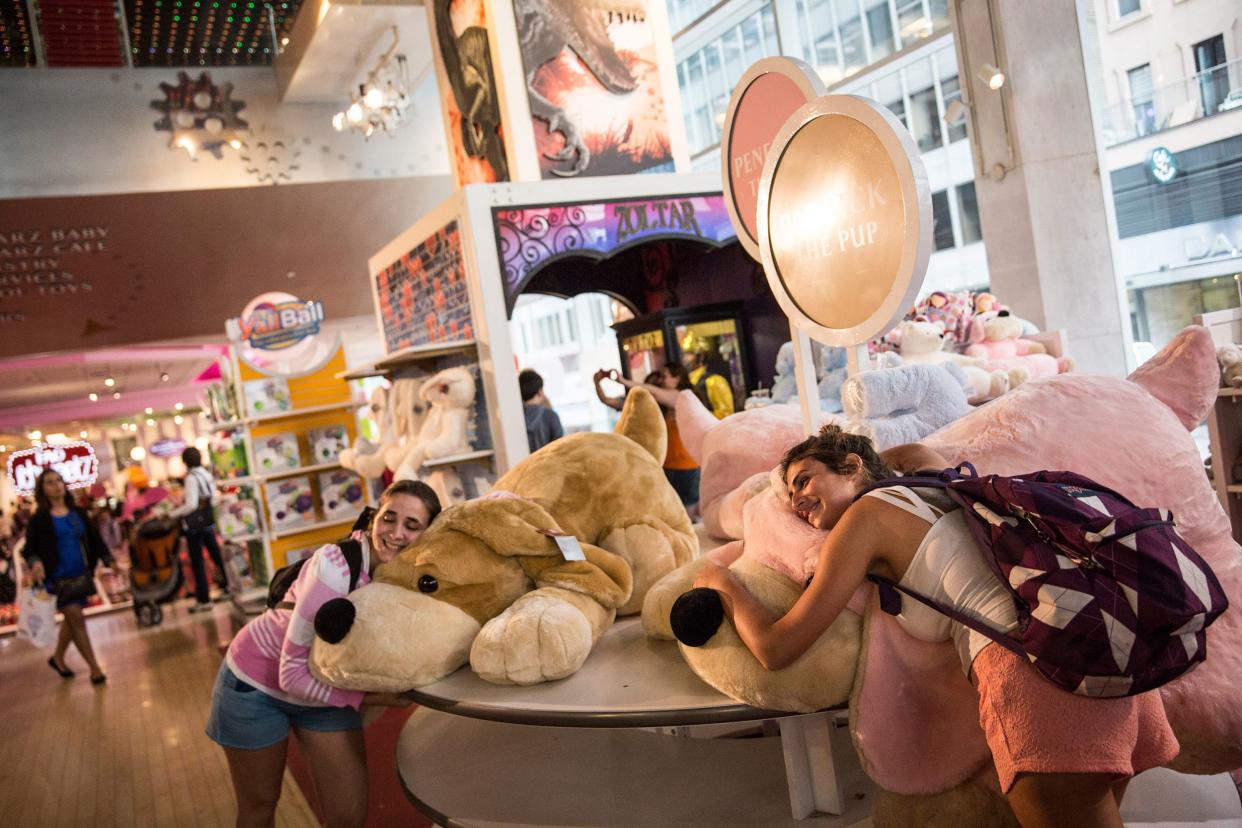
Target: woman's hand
x: 36, y: 572
x: 386, y: 700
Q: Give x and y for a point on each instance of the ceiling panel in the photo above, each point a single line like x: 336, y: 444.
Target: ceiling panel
x: 205, y: 32
x: 75, y: 382
x: 80, y: 33
x: 16, y: 40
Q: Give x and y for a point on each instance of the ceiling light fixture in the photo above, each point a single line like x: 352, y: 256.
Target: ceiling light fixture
x: 35, y: 435
x: 164, y: 377
x: 82, y: 434
x: 150, y: 421
x: 990, y: 75
x: 382, y: 100
x: 116, y: 395
x: 179, y: 406
x: 93, y: 397
x: 177, y: 419
x: 148, y: 410
x: 109, y: 382
x: 955, y: 112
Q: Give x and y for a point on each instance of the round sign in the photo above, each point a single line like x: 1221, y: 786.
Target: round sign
x: 768, y: 93
x: 1163, y: 165
x: 845, y: 219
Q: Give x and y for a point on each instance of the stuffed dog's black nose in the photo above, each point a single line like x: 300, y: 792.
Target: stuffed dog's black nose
x: 334, y: 619
x: 695, y: 617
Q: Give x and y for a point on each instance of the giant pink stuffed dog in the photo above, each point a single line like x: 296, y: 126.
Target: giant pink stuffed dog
x: 912, y: 710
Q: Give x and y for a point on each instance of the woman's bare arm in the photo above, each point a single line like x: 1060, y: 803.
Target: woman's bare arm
x: 663, y: 396
x: 844, y: 560
x: 912, y: 457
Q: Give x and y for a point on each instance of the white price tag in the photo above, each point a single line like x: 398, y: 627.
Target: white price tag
x: 571, y: 550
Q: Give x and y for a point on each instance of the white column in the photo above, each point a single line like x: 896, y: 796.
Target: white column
x: 1046, y: 212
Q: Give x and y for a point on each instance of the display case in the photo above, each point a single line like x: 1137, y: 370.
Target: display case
x: 651, y: 341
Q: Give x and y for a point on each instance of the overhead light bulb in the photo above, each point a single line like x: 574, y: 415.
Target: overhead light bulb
x: 164, y: 377
x: 178, y: 406
x: 354, y: 113
x: 116, y: 395
x: 148, y: 410
x: 235, y: 144
x: 109, y: 382
x: 990, y: 75
x: 338, y: 121
x: 93, y: 397
x: 137, y: 454
x: 150, y: 421
x: 82, y: 434
x: 177, y: 419
x: 374, y: 97
x: 284, y: 41
x: 35, y: 435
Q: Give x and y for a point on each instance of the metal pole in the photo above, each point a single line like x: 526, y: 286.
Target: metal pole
x: 36, y: 39
x: 271, y: 30
x: 124, y: 21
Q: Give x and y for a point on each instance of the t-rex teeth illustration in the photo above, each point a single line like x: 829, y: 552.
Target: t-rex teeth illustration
x: 545, y: 27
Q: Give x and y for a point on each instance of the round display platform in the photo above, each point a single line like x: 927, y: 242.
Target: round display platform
x: 628, y: 680
x: 488, y: 774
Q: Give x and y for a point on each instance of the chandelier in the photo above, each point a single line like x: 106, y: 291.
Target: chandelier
x: 381, y: 101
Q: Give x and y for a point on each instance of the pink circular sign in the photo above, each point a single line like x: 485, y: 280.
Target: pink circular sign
x: 766, y: 95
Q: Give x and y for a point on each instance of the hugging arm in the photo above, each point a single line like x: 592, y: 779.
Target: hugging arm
x: 844, y: 559
x: 912, y: 457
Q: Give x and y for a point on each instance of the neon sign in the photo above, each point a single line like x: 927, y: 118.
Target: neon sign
x: 74, y: 462
x: 170, y: 447
x: 275, y: 322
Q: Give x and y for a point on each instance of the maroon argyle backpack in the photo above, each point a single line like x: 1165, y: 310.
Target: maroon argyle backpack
x: 1111, y: 600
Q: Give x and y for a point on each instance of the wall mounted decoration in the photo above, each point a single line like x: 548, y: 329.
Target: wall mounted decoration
x: 423, y: 296
x: 270, y: 156
x: 593, y: 83
x: 198, y: 115
x: 468, y: 94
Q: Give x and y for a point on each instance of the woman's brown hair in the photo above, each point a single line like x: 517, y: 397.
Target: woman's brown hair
x: 832, y: 447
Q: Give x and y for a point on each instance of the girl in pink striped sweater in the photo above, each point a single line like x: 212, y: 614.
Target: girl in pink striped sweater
x: 265, y: 686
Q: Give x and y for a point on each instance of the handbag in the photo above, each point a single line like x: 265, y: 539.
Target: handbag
x: 76, y: 586
x: 202, y: 518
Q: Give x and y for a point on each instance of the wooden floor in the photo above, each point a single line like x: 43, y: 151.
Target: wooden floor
x: 131, y: 752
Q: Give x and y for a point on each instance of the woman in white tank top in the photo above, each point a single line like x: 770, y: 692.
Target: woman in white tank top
x: 921, y: 540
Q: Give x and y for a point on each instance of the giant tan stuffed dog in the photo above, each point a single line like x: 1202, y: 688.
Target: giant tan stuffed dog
x: 485, y: 582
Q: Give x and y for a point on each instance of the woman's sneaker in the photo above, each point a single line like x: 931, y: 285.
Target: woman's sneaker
x: 201, y: 607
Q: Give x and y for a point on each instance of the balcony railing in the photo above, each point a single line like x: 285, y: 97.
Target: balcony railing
x: 1218, y: 89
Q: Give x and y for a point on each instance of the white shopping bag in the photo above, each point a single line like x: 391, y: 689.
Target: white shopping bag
x: 36, y: 620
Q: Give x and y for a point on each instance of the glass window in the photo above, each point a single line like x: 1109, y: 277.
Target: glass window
x: 888, y: 91
x: 571, y: 322
x: 912, y: 21
x: 951, y: 90
x: 752, y: 43
x: 1141, y: 103
x: 942, y: 223
x: 968, y: 213
x: 1128, y: 7
x: 939, y: 13
x: 880, y: 28
x: 924, y: 116
x: 734, y: 61
x: 771, y: 43
x: 849, y: 24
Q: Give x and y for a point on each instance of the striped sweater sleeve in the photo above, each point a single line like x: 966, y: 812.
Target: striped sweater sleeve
x: 324, y: 577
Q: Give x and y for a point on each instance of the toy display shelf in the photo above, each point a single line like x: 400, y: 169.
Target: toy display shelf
x: 277, y: 534
x: 407, y: 356
x: 248, y: 480
x: 318, y: 467
x: 231, y: 425
x: 244, y: 538
x: 300, y: 412
x: 454, y: 459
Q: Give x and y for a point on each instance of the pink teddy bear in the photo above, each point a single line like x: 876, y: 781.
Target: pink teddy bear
x: 996, y: 337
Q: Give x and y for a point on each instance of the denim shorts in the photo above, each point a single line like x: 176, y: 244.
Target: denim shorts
x: 245, y: 717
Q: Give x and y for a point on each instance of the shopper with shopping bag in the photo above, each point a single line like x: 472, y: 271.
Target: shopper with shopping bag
x: 63, y: 547
x: 36, y: 621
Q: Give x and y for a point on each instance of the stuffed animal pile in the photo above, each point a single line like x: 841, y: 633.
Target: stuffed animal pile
x: 913, y: 713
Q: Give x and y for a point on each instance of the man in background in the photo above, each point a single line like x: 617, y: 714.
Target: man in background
x: 542, y: 423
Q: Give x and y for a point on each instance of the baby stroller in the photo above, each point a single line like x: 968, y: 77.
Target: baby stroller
x: 155, y: 571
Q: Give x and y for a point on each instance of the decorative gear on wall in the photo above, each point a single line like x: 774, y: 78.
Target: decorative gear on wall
x: 269, y: 156
x: 200, y: 115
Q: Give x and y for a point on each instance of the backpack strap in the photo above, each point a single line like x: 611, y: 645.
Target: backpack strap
x: 890, y: 602
x: 352, y: 550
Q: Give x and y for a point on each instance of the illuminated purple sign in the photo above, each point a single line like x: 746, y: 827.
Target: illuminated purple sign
x: 530, y: 237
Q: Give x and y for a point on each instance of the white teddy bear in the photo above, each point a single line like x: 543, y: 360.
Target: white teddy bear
x: 923, y: 343
x: 1230, y: 359
x: 449, y: 396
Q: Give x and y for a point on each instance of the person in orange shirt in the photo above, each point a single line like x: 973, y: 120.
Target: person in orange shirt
x: 679, y: 467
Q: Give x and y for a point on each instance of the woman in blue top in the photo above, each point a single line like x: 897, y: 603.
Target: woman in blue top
x: 62, y: 542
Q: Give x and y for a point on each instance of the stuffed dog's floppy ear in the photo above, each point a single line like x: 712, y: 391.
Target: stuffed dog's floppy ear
x: 510, y: 527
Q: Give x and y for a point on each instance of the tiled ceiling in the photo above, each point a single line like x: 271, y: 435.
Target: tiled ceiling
x: 160, y: 32
x: 16, y: 36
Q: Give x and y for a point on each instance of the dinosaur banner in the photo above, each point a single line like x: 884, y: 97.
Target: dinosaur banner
x: 593, y: 82
x: 468, y: 95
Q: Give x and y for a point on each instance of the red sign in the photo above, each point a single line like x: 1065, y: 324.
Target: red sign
x: 765, y: 96
x: 75, y: 462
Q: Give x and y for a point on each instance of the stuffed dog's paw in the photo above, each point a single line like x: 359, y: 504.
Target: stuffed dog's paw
x: 539, y: 638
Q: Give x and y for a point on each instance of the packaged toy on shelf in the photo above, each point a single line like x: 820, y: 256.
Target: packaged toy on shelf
x: 237, y: 515
x: 327, y: 443
x: 277, y: 453
x: 227, y: 451
x: 340, y: 493
x: 266, y: 396
x: 290, y: 502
